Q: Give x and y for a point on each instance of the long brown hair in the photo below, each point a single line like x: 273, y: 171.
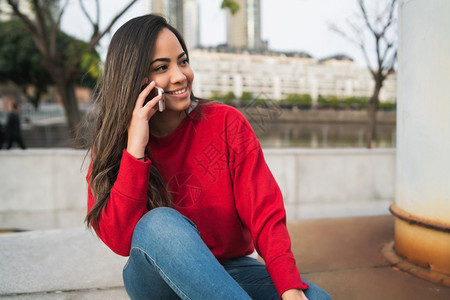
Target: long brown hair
x: 126, y: 66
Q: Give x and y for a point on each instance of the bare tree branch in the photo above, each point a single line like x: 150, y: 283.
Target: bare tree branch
x: 40, y: 44
x: 367, y: 59
x: 384, y: 51
x: 389, y: 46
x: 357, y: 41
x: 343, y: 34
x: 97, y: 5
x: 95, y: 38
x: 390, y: 18
x: 86, y: 14
x: 55, y: 28
x: 22, y: 16
x: 44, y: 28
x: 365, y: 16
x: 390, y: 63
x: 40, y: 26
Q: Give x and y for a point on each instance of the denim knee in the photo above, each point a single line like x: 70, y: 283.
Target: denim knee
x: 159, y: 225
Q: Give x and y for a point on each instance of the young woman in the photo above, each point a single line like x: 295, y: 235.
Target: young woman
x: 185, y: 192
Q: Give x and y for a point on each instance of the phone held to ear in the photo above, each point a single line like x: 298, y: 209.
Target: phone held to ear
x: 157, y: 91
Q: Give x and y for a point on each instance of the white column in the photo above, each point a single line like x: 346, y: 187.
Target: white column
x: 422, y: 208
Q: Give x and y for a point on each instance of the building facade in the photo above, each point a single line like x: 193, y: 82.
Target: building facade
x: 244, y: 27
x: 170, y: 9
x: 278, y: 74
x: 184, y: 15
x: 191, y: 24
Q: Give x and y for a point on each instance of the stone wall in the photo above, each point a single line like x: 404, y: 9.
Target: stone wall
x: 42, y: 189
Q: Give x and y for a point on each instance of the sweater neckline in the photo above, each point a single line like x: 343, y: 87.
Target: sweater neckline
x: 174, y: 133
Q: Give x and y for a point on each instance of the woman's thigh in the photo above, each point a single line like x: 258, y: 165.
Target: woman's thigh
x: 169, y: 254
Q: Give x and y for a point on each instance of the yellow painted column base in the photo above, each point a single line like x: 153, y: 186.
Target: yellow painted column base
x: 421, y: 242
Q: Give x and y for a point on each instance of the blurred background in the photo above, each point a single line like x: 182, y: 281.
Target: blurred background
x: 315, y: 62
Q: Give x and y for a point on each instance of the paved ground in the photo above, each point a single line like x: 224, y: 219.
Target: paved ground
x: 341, y: 255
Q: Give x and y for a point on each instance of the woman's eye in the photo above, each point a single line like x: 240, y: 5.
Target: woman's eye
x: 185, y: 61
x: 161, y: 68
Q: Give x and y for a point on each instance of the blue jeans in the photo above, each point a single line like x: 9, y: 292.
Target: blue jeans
x: 169, y: 260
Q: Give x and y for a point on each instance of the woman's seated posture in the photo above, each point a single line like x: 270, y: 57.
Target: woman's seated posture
x: 184, y: 191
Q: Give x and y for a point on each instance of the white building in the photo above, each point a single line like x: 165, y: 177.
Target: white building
x: 172, y: 10
x: 184, y: 15
x: 278, y: 74
x: 244, y: 27
x: 191, y: 25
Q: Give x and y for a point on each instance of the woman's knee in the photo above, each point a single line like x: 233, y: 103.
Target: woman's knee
x: 159, y: 225
x: 156, y: 220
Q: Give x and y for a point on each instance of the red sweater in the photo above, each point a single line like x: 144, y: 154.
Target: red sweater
x: 218, y: 178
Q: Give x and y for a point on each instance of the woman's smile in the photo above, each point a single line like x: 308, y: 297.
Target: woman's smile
x: 179, y: 93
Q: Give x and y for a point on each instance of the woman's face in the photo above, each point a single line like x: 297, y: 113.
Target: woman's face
x: 170, y: 70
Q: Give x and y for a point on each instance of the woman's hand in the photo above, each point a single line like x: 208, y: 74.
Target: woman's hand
x: 293, y: 294
x: 138, y: 130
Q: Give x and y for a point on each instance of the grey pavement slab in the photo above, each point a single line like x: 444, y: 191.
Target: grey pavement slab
x: 57, y: 260
x: 117, y: 293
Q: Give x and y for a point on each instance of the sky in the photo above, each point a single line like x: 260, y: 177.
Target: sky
x: 287, y: 25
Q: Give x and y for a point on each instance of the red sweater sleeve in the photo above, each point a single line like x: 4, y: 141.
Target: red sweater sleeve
x: 127, y: 203
x: 260, y: 206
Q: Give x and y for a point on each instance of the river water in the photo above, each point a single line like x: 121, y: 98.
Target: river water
x: 322, y: 135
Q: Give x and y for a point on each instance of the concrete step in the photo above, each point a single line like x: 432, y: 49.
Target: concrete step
x: 342, y: 255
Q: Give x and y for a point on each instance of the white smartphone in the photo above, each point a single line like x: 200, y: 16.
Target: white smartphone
x: 157, y: 91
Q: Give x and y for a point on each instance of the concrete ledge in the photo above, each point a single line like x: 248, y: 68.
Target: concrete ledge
x: 46, y: 188
x: 56, y: 260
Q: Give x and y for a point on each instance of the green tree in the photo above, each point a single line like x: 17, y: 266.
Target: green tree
x: 215, y: 95
x: 63, y: 65
x: 323, y: 102
x: 229, y: 96
x: 355, y: 103
x: 21, y: 61
x: 232, y: 5
x: 303, y: 101
x: 245, y: 98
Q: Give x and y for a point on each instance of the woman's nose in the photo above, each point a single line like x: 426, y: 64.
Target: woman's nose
x: 177, y: 75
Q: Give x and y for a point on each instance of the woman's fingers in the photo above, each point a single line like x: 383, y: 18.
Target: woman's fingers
x: 153, y: 102
x: 144, y: 93
x: 140, y: 102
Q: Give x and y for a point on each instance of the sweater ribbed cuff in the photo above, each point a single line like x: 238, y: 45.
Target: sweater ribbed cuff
x: 285, y: 275
x: 133, y: 177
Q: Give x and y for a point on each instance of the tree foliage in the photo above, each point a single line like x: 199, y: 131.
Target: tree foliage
x: 232, y: 5
x: 63, y: 64
x: 21, y: 61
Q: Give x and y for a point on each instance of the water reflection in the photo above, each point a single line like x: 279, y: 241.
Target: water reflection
x: 323, y: 135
